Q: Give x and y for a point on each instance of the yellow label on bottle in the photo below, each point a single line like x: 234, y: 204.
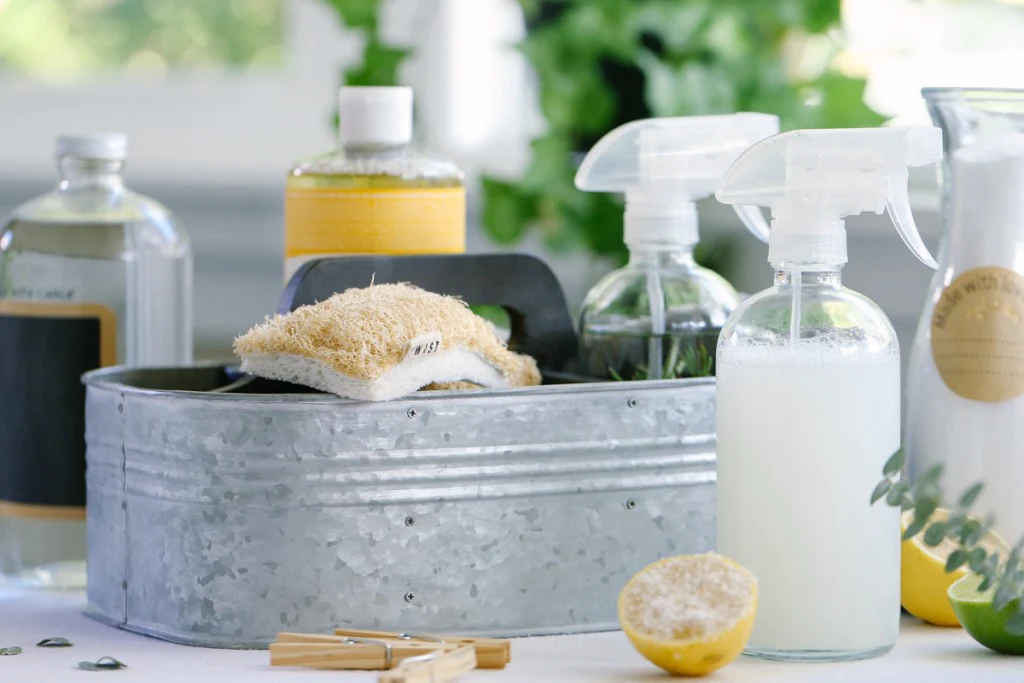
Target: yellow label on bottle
x: 978, y: 335
x: 374, y: 221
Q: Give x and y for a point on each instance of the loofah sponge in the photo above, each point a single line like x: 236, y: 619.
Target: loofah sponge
x: 383, y: 342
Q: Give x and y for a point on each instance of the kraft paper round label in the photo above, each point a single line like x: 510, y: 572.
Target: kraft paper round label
x: 978, y: 335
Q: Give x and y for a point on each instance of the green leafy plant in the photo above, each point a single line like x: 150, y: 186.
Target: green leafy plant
x: 380, y: 61
x: 601, y: 63
x: 923, y: 497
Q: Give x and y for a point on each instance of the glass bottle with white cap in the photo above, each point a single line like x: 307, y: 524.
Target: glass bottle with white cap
x: 91, y: 275
x: 377, y: 194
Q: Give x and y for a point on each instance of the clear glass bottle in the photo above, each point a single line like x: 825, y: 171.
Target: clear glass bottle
x: 965, y: 376
x: 659, y: 316
x: 91, y: 275
x: 656, y: 318
x: 803, y: 429
x: 378, y: 194
x: 808, y: 398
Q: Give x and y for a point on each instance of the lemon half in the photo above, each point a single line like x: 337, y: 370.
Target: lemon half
x: 690, y: 614
x: 923, y: 577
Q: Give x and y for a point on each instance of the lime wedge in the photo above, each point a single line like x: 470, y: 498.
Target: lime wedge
x: 980, y: 620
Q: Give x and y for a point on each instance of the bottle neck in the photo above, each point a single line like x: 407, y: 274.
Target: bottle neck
x: 376, y: 150
x: 788, y: 276
x: 90, y: 174
x: 679, y: 255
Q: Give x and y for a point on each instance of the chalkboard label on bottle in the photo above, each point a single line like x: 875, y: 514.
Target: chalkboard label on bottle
x: 44, y: 350
x: 977, y: 335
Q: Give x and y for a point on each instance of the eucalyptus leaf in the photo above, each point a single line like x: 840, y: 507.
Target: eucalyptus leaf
x: 1005, y: 594
x: 986, y: 583
x: 914, y: 528
x: 972, y: 532
x: 10, y: 651
x: 931, y: 475
x: 896, y: 493
x: 970, y: 495
x: 880, y: 491
x: 956, y: 559
x: 1015, y: 624
x: 1017, y: 576
x: 935, y: 534
x: 925, y: 508
x: 895, y: 462
x: 976, y: 559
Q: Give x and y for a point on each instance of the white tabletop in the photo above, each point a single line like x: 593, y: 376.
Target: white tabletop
x: 926, y: 654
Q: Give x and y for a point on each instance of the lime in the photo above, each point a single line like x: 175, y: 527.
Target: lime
x: 690, y: 614
x: 980, y: 619
x: 923, y: 577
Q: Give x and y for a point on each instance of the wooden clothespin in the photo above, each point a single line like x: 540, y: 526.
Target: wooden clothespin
x: 436, y: 667
x: 491, y: 653
x: 332, y: 652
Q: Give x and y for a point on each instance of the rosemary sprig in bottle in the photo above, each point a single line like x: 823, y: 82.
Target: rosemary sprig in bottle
x: 924, y: 497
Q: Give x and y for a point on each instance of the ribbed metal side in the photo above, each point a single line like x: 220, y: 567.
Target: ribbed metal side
x: 221, y: 519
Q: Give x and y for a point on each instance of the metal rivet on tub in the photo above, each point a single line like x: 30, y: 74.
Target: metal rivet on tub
x: 124, y: 585
x: 630, y: 504
x: 411, y: 413
x: 410, y: 596
x: 631, y: 403
x: 120, y: 407
x: 124, y: 505
x: 409, y: 521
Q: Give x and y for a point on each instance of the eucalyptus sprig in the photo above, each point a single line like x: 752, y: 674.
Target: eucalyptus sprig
x: 924, y: 497
x: 695, y: 361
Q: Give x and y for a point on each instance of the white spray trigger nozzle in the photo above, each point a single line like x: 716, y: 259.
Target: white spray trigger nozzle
x: 664, y: 165
x: 812, y: 179
x: 754, y: 220
x: 897, y: 202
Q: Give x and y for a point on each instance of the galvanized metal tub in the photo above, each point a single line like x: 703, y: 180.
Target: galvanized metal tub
x: 221, y: 519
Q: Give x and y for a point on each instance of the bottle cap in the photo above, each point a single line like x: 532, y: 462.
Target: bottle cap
x: 111, y: 146
x: 375, y: 115
x: 663, y: 165
x: 812, y: 179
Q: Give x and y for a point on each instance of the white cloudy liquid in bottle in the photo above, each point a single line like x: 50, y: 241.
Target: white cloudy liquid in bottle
x: 793, y: 488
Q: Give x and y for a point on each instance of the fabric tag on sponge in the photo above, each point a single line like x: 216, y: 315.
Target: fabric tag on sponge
x: 423, y: 345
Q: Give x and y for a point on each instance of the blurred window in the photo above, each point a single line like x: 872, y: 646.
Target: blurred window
x: 904, y: 45
x: 74, y: 40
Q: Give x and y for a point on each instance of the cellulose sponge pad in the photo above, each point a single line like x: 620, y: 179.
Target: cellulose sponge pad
x: 382, y: 342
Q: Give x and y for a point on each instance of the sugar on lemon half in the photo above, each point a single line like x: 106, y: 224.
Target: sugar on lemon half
x: 690, y: 614
x: 923, y: 577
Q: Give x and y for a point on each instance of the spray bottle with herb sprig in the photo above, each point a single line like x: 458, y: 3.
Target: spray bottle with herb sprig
x: 659, y: 316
